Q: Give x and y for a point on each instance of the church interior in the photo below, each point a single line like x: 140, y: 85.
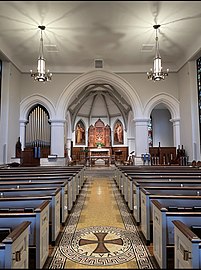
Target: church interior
x: 100, y: 123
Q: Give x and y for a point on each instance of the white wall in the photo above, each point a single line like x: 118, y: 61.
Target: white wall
x: 189, y: 111
x: 51, y: 89
x: 17, y: 87
x: 147, y: 89
x: 10, y: 112
x: 162, y: 128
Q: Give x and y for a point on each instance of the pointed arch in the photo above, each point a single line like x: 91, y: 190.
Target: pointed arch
x: 169, y: 101
x: 95, y: 77
x: 27, y: 103
x: 118, y: 132
x: 80, y: 132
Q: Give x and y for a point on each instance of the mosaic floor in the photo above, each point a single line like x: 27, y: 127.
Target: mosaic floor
x: 100, y: 231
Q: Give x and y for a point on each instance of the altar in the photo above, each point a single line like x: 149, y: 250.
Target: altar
x: 99, y: 156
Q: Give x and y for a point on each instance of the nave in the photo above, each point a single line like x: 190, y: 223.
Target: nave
x: 100, y: 231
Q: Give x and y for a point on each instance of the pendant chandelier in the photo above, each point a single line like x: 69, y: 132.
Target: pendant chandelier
x: 41, y: 75
x: 157, y: 73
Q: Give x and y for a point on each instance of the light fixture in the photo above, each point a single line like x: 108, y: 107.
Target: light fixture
x: 157, y: 73
x: 41, y: 75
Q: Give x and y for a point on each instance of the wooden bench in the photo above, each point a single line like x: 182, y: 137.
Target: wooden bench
x: 51, y: 194
x: 187, y: 245
x: 76, y: 171
x: 48, y: 179
x: 163, y: 226
x: 142, y: 171
x: 128, y: 190
x: 74, y: 184
x: 124, y: 179
x: 41, y: 184
x: 14, y: 252
x: 170, y: 194
x: 39, y: 226
x: 136, y: 185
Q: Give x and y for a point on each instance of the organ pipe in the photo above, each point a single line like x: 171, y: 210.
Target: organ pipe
x: 38, y: 128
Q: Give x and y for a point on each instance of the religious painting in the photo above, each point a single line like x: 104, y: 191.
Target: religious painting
x: 118, y: 133
x: 80, y: 133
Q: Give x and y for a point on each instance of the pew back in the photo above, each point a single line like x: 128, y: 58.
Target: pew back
x: 14, y: 252
x: 39, y: 226
x: 187, y: 249
x: 163, y: 229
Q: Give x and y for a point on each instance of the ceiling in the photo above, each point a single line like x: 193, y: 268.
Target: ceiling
x: 118, y: 32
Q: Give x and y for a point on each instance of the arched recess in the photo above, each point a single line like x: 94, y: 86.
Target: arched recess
x: 118, y: 132
x: 27, y: 103
x: 98, y: 77
x: 80, y: 133
x: 170, y: 103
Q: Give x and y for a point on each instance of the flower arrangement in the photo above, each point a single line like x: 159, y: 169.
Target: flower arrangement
x: 99, y: 144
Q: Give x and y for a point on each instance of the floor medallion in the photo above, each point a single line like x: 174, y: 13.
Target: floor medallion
x: 99, y: 246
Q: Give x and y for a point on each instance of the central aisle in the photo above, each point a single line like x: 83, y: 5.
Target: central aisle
x: 100, y: 232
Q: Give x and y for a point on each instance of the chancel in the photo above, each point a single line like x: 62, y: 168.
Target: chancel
x: 100, y: 160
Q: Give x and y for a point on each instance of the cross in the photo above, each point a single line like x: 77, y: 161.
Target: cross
x: 101, y: 248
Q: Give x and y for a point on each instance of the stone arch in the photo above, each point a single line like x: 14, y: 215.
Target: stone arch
x: 27, y: 103
x: 98, y: 76
x: 172, y: 104
x: 169, y: 101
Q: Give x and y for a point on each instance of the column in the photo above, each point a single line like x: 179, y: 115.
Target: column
x: 131, y: 145
x: 22, y: 133
x: 176, y: 131
x: 57, y: 137
x: 141, y: 139
x: 68, y: 145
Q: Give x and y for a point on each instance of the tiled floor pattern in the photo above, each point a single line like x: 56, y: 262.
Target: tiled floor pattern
x: 100, y: 231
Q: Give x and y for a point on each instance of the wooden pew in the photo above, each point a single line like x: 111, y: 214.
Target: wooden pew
x: 77, y: 172
x: 124, y: 182
x: 150, y: 171
x: 48, y: 179
x: 187, y: 246
x: 163, y: 227
x: 14, y: 252
x: 53, y: 195
x: 131, y: 193
x: 156, y: 168
x: 54, y: 171
x: 39, y: 227
x: 72, y: 177
x: 136, y: 185
x: 166, y: 193
x: 41, y: 184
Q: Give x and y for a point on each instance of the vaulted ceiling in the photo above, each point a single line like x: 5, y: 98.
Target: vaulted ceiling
x: 99, y: 101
